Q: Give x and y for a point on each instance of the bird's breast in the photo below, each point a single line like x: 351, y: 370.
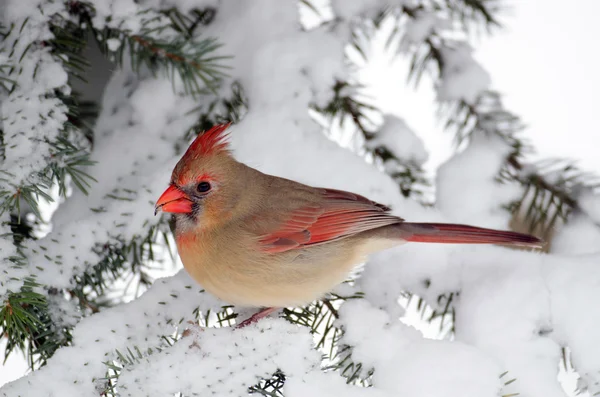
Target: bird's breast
x: 242, y: 274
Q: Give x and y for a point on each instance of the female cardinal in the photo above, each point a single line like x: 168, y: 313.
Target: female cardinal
x: 254, y: 239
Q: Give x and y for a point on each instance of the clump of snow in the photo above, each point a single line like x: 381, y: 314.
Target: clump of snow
x: 407, y: 364
x: 462, y: 78
x: 113, y: 44
x: 11, y: 276
x: 589, y: 202
x: 396, y: 136
x: 137, y: 113
x: 226, y: 361
x: 580, y: 235
x: 126, y: 15
x: 466, y: 187
x: 31, y: 117
x: 350, y: 9
x: 184, y: 6
x: 317, y: 383
x: 161, y: 311
x: 64, y: 313
x: 422, y: 25
x: 518, y: 307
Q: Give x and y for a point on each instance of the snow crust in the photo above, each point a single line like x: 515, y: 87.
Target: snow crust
x: 514, y: 311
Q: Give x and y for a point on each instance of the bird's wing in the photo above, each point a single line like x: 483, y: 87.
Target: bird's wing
x: 339, y: 214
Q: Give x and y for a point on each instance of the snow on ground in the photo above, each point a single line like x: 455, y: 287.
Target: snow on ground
x: 515, y: 310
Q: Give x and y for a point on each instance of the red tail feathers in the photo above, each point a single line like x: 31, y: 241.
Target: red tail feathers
x: 463, y: 234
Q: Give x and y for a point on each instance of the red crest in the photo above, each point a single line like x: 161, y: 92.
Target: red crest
x: 210, y: 142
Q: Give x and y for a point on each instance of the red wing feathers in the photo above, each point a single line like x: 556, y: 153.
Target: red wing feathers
x: 340, y: 214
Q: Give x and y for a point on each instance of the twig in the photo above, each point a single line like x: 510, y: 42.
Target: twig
x: 541, y: 182
x: 84, y: 302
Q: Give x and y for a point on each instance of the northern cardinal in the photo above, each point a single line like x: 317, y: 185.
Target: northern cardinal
x: 258, y: 240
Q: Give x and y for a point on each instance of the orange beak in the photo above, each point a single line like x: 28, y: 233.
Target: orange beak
x: 173, y: 200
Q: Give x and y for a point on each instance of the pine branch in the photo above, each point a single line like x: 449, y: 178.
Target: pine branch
x: 181, y: 56
x: 68, y: 43
x: 66, y: 157
x: 543, y: 202
x: 320, y: 316
x: 188, y: 24
x: 345, y: 107
x: 476, y: 12
x: 218, y: 111
x: 24, y: 317
x: 7, y: 84
x: 26, y: 325
x: 171, y: 49
x: 271, y: 387
x: 119, y: 260
x: 129, y: 358
x: 81, y: 114
x: 344, y: 104
x: 193, y: 62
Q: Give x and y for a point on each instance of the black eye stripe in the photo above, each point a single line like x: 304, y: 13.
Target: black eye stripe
x: 203, y: 187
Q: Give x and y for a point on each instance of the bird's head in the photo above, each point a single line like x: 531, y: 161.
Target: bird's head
x: 202, y: 190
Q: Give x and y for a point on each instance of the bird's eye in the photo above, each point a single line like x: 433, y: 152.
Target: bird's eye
x: 203, y: 187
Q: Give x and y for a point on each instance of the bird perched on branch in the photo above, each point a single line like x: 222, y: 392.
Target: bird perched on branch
x: 258, y: 240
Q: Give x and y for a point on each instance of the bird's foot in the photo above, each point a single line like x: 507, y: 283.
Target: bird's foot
x: 256, y: 316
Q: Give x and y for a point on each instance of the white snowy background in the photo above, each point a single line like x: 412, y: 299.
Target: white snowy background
x: 516, y: 309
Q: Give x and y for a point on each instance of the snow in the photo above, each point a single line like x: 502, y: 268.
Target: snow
x: 397, y: 137
x: 226, y: 360
x: 466, y: 187
x: 327, y: 385
x: 590, y: 204
x: 579, y: 236
x: 30, y: 118
x: 517, y: 307
x: 165, y: 307
x: 184, y: 6
x: 424, y: 24
x: 407, y: 364
x: 462, y: 78
x: 113, y: 44
x: 514, y: 309
x: 11, y: 276
x: 125, y: 15
x: 354, y: 9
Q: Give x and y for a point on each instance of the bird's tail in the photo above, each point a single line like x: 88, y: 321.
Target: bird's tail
x: 463, y: 234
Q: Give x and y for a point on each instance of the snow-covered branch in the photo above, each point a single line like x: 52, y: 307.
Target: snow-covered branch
x: 513, y: 310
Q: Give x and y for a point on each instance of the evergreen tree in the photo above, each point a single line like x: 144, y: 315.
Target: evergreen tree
x: 83, y: 163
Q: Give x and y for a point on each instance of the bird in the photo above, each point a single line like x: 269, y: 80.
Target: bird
x: 257, y: 240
